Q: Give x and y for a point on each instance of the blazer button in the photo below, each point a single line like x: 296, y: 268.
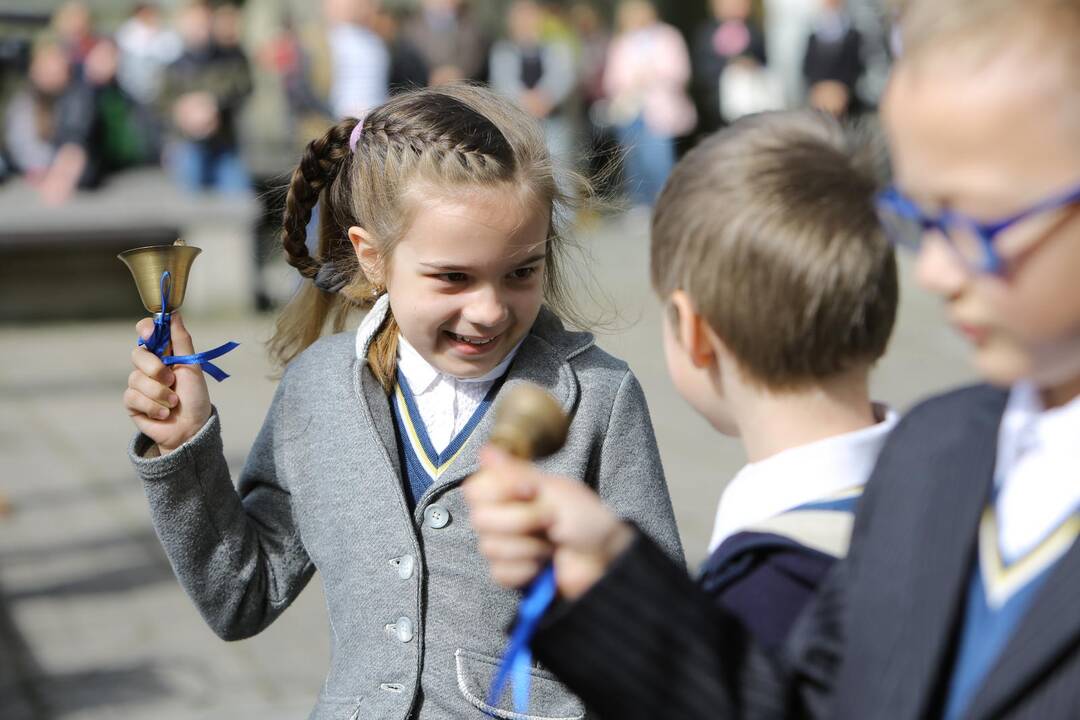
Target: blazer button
x: 404, y: 565
x: 404, y: 629
x: 436, y: 516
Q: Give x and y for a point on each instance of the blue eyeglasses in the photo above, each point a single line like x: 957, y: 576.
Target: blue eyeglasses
x: 973, y: 241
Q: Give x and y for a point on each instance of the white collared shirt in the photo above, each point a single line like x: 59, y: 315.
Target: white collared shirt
x: 1038, y: 469
x: 799, y: 475
x: 446, y: 403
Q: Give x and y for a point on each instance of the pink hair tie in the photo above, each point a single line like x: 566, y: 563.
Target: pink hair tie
x: 354, y: 137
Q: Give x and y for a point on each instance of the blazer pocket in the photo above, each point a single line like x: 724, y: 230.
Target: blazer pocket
x: 333, y: 707
x: 549, y: 699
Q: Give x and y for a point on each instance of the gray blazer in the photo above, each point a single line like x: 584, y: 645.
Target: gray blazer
x: 416, y: 625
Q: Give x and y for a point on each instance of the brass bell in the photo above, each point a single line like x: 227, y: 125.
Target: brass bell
x: 529, y: 423
x: 147, y: 265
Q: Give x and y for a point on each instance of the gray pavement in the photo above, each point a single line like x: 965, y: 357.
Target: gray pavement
x: 93, y: 624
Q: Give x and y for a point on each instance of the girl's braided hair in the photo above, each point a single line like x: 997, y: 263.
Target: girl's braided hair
x: 450, y: 138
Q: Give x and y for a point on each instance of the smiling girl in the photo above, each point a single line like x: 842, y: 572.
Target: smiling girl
x: 439, y: 213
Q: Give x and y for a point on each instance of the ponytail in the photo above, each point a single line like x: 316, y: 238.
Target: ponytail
x: 303, y: 319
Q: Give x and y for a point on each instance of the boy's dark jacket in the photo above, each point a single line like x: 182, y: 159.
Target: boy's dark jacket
x: 878, y: 639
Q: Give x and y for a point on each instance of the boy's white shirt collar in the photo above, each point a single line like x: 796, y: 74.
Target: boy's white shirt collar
x: 1037, y: 473
x: 799, y: 475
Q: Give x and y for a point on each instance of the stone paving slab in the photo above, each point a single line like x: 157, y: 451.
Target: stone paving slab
x: 92, y: 623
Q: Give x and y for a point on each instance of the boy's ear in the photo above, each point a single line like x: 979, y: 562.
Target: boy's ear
x: 367, y: 253
x: 693, y: 331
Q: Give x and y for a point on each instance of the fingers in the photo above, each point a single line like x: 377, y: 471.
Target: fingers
x: 515, y: 574
x: 511, y: 519
x: 149, y: 390
x: 503, y: 478
x: 150, y: 365
x: 486, y: 488
x: 145, y: 328
x: 181, y: 338
x: 139, y: 404
x: 515, y: 548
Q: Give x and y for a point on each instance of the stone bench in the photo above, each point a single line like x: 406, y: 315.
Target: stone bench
x: 61, y: 261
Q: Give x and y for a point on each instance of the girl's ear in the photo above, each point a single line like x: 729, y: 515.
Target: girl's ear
x: 367, y: 253
x: 693, y: 331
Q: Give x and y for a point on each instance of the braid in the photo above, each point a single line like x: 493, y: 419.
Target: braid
x: 446, y: 130
x: 320, y: 165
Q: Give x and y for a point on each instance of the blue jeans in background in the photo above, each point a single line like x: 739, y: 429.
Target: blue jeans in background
x: 649, y: 160
x: 198, y: 167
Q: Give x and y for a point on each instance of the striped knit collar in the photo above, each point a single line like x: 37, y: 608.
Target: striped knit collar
x: 415, y: 434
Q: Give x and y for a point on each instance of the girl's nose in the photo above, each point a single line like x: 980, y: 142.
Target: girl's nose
x: 486, y: 309
x: 939, y: 269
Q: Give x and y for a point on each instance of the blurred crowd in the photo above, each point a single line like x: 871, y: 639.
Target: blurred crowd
x: 168, y: 86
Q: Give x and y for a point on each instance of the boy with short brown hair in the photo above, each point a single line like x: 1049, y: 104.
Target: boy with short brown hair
x: 781, y: 291
x: 958, y: 598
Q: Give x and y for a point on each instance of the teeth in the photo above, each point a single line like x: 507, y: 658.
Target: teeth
x: 462, y: 338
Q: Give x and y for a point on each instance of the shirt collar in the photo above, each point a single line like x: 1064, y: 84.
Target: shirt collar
x: 1026, y: 424
x: 423, y: 375
x: 799, y: 475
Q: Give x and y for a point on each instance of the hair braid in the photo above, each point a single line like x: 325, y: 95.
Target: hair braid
x: 322, y: 161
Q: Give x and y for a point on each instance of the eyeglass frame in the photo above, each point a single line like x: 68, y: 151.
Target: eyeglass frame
x: 894, y: 201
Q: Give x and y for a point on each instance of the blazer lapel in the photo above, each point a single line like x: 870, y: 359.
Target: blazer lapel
x: 376, y: 407
x: 924, y: 570
x: 947, y: 551
x: 1050, y: 627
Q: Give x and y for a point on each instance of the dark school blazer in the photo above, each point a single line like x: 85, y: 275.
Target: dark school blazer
x: 878, y: 640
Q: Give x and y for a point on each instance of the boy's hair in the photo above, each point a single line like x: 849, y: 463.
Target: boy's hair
x: 457, y: 138
x: 769, y: 226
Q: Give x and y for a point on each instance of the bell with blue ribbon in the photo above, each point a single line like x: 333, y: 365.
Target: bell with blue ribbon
x: 161, y: 273
x: 529, y: 424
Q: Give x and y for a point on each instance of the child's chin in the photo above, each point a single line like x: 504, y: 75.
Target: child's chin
x: 1002, y: 368
x: 466, y: 367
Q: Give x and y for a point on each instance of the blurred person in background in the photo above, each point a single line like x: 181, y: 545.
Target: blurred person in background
x: 359, y: 59
x: 408, y: 68
x: 833, y: 62
x: 147, y: 47
x: 49, y: 125
x: 593, y: 38
x: 204, y: 91
x: 73, y: 25
x: 645, y: 80
x: 453, y: 45
x: 287, y: 57
x: 537, y: 73
x: 729, y: 37
x: 118, y: 140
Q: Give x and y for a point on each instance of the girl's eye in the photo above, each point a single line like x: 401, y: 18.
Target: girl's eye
x: 454, y: 277
x: 523, y: 273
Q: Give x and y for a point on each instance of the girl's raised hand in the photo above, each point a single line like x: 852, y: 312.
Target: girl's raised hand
x: 168, y: 404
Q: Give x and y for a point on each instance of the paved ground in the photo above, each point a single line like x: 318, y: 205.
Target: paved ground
x: 92, y: 623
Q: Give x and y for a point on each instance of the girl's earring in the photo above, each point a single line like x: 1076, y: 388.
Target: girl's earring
x: 376, y: 291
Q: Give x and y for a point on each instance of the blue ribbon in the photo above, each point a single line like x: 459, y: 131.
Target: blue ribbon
x: 158, y: 342
x: 517, y: 660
